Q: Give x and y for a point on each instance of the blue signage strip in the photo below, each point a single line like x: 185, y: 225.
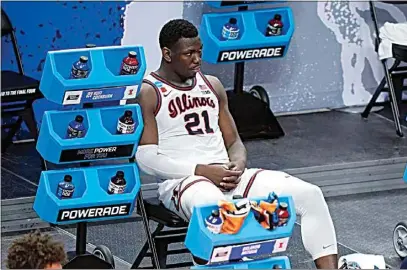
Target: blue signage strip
x: 76, y: 97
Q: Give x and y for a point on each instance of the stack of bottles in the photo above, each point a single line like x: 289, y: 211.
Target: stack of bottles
x: 230, y: 31
x: 81, y: 69
x: 66, y: 188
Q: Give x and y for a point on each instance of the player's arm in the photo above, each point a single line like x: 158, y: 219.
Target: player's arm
x: 147, y: 156
x: 234, y: 145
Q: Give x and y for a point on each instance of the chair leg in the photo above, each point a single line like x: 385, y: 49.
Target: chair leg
x: 28, y: 117
x: 162, y: 248
x: 150, y: 239
x: 372, y: 101
x: 143, y: 252
x: 6, y: 142
x: 398, y: 82
x: 393, y: 100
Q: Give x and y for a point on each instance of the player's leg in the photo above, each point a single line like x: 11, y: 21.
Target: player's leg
x: 181, y: 195
x: 317, y: 229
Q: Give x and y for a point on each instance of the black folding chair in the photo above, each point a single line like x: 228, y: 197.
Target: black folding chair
x: 394, y: 76
x: 18, y: 92
x: 151, y: 209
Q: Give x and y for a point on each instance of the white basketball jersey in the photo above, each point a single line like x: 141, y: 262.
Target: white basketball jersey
x: 187, y: 121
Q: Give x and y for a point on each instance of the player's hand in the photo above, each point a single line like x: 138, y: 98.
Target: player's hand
x: 216, y: 173
x: 233, y: 180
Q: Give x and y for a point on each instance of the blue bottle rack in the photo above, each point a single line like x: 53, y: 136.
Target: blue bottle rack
x: 252, y: 43
x: 282, y: 261
x: 104, y: 82
x: 90, y: 201
x: 228, y: 4
x: 251, y: 240
x: 405, y: 175
x: 100, y: 140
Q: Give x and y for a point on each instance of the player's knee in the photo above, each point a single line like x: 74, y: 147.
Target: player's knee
x: 311, y: 195
x: 315, y: 192
x: 202, y: 191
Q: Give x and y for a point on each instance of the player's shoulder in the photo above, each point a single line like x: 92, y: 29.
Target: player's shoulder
x: 215, y: 83
x: 147, y: 94
x: 212, y: 79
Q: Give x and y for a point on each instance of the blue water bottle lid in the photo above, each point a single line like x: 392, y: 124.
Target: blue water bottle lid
x: 79, y: 118
x: 120, y: 174
x: 68, y: 178
x: 83, y: 59
x: 128, y: 113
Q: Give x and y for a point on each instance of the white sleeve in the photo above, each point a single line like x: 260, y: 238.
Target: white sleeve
x: 153, y: 163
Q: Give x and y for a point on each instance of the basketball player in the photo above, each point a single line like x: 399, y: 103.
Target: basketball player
x: 190, y: 141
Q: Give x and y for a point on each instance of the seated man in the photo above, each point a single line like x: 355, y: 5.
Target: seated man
x: 35, y: 251
x: 191, y: 142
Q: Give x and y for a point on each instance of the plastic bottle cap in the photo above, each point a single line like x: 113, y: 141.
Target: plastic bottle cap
x: 68, y: 178
x: 128, y: 113
x: 277, y: 17
x: 283, y: 205
x: 90, y: 45
x: 215, y: 213
x: 132, y: 54
x: 83, y: 59
x: 233, y: 21
x: 120, y: 174
x: 79, y: 118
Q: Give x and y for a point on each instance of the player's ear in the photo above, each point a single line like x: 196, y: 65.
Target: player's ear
x: 166, y: 54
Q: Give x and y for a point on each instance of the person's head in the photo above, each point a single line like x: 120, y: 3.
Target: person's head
x: 35, y: 251
x: 181, y: 47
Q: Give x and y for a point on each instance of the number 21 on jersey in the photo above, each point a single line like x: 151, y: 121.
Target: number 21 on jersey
x: 193, y: 123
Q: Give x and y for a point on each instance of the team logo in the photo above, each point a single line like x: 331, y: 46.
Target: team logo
x: 158, y: 84
x: 72, y: 97
x: 130, y: 92
x: 251, y: 54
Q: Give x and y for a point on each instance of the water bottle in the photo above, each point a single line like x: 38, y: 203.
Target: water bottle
x: 126, y: 123
x: 76, y: 129
x: 80, y: 69
x: 230, y: 30
x: 275, y: 26
x: 117, y: 183
x: 65, y: 188
x: 214, y: 222
x: 130, y: 64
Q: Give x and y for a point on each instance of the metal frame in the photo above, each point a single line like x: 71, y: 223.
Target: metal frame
x: 158, y: 242
x: 150, y: 236
x: 387, y: 78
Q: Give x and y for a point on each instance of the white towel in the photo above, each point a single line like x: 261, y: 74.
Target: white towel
x: 391, y: 33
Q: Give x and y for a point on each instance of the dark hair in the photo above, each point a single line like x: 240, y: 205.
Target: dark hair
x: 34, y: 251
x: 174, y: 30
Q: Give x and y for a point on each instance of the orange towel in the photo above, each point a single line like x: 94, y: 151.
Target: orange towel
x: 233, y: 215
x: 263, y: 213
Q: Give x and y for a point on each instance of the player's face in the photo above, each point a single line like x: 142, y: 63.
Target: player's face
x: 186, y: 57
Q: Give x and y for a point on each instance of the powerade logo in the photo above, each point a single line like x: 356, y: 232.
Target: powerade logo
x: 94, y: 212
x: 251, y: 54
